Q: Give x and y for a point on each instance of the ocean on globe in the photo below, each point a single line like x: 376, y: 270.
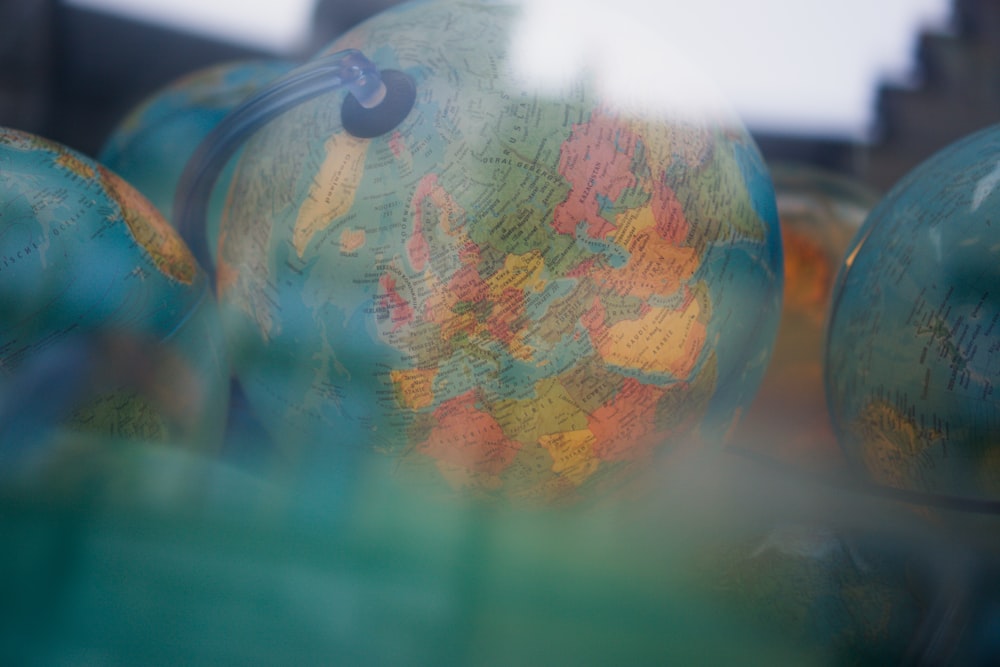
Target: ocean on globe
x: 820, y: 212
x: 913, y: 354
x: 530, y: 292
x: 103, y: 304
x: 151, y: 146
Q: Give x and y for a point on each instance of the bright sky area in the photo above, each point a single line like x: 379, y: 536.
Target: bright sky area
x: 790, y: 66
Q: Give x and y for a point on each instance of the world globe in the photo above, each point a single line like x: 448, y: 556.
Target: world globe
x: 820, y: 212
x: 102, y: 298
x: 912, y: 356
x: 151, y: 146
x: 527, y: 292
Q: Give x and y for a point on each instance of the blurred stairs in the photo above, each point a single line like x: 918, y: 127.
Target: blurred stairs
x: 957, y: 93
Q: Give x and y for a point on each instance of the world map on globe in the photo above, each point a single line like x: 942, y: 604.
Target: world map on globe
x: 527, y: 294
x: 84, y: 257
x: 912, y: 357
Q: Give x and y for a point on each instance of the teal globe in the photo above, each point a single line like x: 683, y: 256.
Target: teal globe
x: 913, y: 353
x: 154, y: 142
x: 530, y: 292
x: 92, y: 278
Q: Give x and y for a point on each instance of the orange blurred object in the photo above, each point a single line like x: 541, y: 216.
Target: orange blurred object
x: 820, y: 212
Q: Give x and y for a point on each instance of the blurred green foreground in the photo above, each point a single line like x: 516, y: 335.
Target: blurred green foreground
x: 132, y: 554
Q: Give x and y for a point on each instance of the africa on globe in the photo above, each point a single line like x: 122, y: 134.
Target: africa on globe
x: 531, y: 293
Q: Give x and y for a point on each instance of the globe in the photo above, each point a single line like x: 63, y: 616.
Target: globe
x: 820, y: 212
x: 151, y: 146
x: 103, y: 306
x: 911, y: 360
x: 525, y: 292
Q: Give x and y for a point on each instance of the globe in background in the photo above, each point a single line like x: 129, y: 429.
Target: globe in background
x: 820, y: 212
x: 912, y: 357
x: 151, y: 146
x: 531, y: 293
x: 98, y: 291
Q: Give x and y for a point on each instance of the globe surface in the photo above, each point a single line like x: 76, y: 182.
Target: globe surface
x: 154, y: 142
x: 528, y: 294
x: 84, y: 258
x: 912, y: 357
x: 820, y: 212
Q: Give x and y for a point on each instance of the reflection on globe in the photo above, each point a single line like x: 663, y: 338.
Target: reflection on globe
x: 530, y: 295
x: 820, y: 213
x: 93, y: 280
x: 914, y: 350
x: 841, y: 601
x: 152, y: 145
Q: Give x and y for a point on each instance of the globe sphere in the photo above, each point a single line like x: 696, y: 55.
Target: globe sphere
x: 911, y: 359
x: 98, y: 293
x: 530, y: 292
x: 820, y: 212
x: 151, y: 146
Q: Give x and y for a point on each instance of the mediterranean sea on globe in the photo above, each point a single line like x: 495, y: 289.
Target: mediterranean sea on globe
x: 91, y: 274
x: 913, y: 354
x: 531, y: 293
x: 153, y: 144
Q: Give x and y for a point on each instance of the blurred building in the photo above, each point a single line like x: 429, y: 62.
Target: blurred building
x: 70, y: 74
x: 958, y: 92
x: 26, y: 62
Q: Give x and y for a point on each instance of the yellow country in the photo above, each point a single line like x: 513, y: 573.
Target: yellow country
x: 572, y: 454
x: 662, y: 340
x: 630, y: 223
x: 521, y: 272
x: 332, y: 192
x: 414, y: 388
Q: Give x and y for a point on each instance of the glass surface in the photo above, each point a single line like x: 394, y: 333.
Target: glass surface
x: 495, y: 366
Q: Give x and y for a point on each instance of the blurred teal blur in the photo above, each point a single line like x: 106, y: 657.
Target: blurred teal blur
x: 132, y: 553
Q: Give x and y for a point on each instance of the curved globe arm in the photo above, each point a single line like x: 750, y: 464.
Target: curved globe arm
x: 344, y: 69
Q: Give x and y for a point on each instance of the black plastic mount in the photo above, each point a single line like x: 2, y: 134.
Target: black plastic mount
x: 400, y: 95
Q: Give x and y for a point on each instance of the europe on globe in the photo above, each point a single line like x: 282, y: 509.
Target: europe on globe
x: 913, y: 352
x: 530, y: 292
x: 96, y: 285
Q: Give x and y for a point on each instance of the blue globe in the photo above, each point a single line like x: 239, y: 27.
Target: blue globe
x: 153, y: 144
x: 100, y: 295
x: 528, y: 293
x: 913, y: 353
